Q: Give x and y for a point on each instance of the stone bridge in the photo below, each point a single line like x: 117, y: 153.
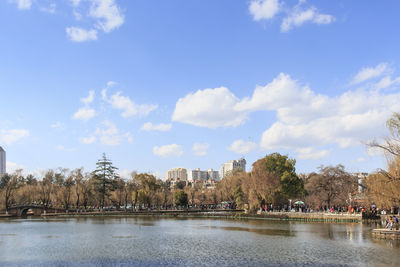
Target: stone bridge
x: 37, y: 210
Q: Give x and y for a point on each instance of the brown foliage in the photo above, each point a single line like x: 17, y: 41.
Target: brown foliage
x: 331, y: 186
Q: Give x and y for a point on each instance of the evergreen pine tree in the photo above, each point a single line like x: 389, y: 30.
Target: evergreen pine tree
x: 104, y: 178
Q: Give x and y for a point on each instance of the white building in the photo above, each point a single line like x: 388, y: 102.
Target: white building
x: 361, y: 177
x: 177, y: 174
x: 199, y: 175
x: 232, y: 165
x: 2, y: 161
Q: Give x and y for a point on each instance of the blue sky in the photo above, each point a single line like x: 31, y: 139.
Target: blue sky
x: 163, y: 84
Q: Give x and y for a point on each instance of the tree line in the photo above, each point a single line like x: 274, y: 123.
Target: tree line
x: 272, y: 183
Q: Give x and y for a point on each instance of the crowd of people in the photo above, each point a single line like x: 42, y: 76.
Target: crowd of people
x: 393, y: 222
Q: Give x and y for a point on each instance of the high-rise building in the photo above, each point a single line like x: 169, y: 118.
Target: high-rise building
x: 2, y: 161
x: 198, y: 175
x: 232, y: 165
x: 177, y: 174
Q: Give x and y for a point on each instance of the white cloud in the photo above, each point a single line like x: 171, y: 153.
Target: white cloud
x: 87, y: 140
x: 361, y: 159
x: 318, y: 120
x: 125, y: 174
x: 107, y: 13
x: 22, y: 4
x: 172, y: 150
x: 51, y: 8
x: 129, y: 137
x: 9, y: 137
x: 75, y: 3
x: 374, y: 151
x: 309, y: 153
x: 162, y: 127
x: 282, y: 91
x: 210, y: 108
x: 104, y: 90
x: 84, y: 114
x: 12, y: 166
x: 298, y: 16
x: 107, y: 134
x: 387, y: 82
x: 368, y: 73
x: 78, y: 34
x: 264, y: 9
x: 89, y: 99
x: 128, y: 107
x: 295, y: 16
x: 58, y: 126
x: 306, y: 121
x: 200, y: 149
x: 105, y: 16
x: 242, y: 147
x: 77, y: 15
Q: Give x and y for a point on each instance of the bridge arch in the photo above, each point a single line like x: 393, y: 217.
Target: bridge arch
x: 22, y: 210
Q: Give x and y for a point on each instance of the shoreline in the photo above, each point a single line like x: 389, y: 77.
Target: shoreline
x: 223, y: 214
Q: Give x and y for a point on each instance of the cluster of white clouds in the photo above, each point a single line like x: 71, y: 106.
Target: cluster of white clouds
x: 209, y: 108
x: 105, y: 15
x: 294, y: 16
x: 22, y: 4
x: 200, y: 149
x: 242, y: 147
x: 307, y: 122
x: 162, y: 127
x: 85, y: 113
x: 107, y: 134
x: 11, y: 136
x: 116, y: 101
x: 174, y: 150
x: 168, y: 150
x: 128, y: 107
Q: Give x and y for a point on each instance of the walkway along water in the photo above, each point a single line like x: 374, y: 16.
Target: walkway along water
x: 236, y: 214
x: 384, y: 233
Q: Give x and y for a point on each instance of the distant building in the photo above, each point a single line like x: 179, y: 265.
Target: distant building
x: 361, y: 176
x: 213, y: 175
x: 177, y: 174
x: 232, y: 165
x: 198, y: 175
x: 2, y: 161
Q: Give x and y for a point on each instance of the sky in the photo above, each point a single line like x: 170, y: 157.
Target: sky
x: 163, y: 84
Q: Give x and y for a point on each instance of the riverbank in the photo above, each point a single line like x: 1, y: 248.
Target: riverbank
x: 229, y: 214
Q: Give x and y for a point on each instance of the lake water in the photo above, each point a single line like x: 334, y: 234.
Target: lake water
x: 130, y: 241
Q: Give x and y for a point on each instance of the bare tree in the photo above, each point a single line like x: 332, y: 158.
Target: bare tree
x: 9, y: 184
x: 331, y: 186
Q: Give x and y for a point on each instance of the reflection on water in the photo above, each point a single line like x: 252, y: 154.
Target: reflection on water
x: 123, y: 236
x: 50, y: 236
x: 261, y: 231
x: 126, y: 241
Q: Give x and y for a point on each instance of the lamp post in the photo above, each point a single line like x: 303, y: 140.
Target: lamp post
x: 290, y: 205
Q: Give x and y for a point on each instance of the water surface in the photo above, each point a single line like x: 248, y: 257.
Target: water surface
x: 126, y: 241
